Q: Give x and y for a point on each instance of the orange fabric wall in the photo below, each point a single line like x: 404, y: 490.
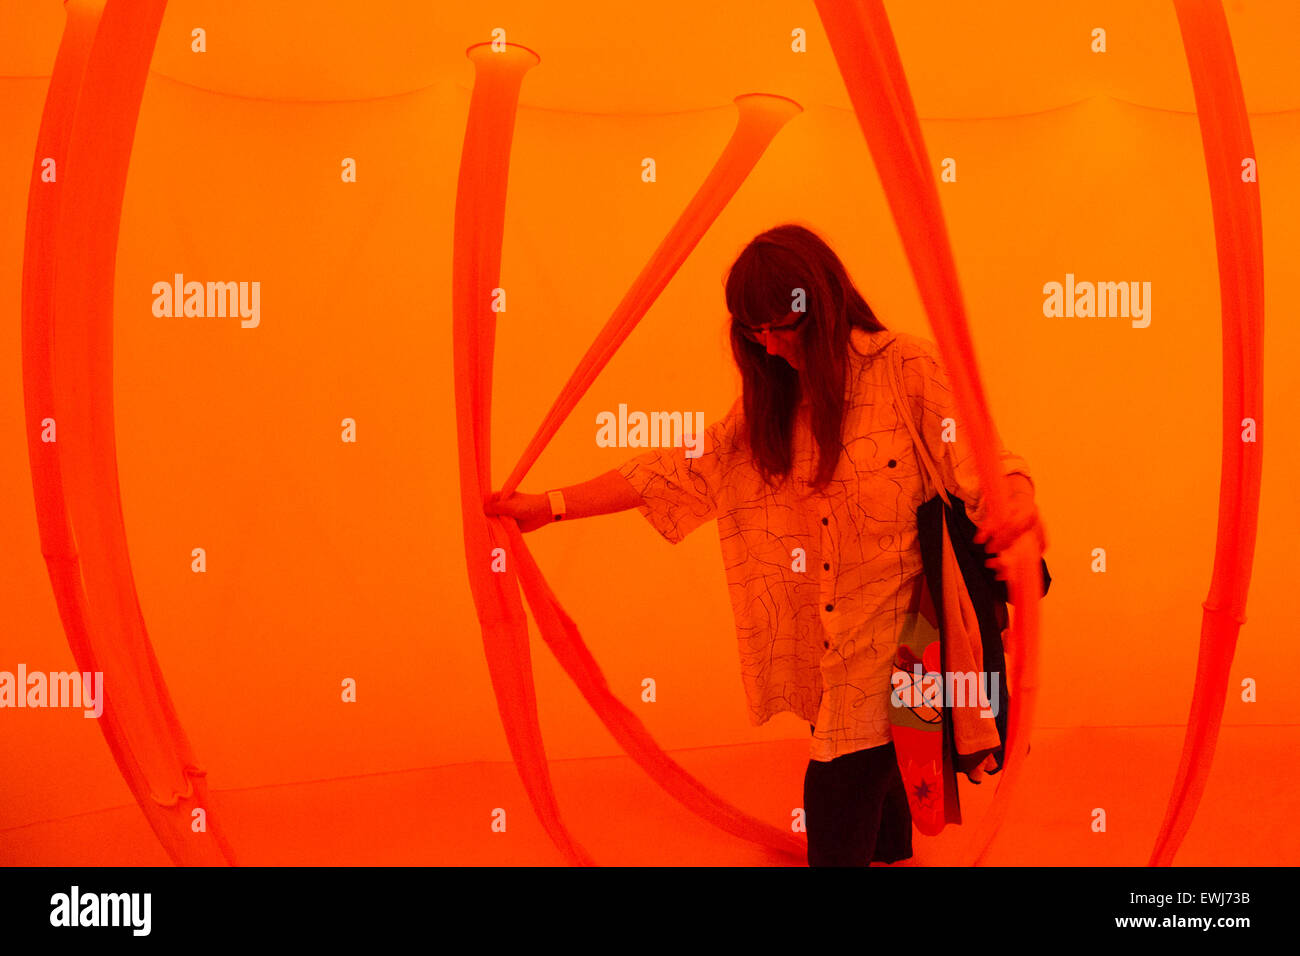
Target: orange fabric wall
x: 329, y: 560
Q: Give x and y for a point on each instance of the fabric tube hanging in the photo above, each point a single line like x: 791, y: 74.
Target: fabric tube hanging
x: 87, y: 129
x: 480, y: 214
x: 1238, y: 233
x: 864, y: 48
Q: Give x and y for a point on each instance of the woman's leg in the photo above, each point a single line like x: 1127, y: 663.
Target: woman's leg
x: 844, y: 800
x: 894, y: 838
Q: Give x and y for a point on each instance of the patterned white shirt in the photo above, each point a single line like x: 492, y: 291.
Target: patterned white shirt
x: 822, y: 583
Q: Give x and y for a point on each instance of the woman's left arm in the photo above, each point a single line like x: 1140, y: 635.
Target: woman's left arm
x: 1019, y: 526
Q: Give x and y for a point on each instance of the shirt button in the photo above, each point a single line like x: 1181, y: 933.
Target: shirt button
x: 826, y: 520
x: 826, y: 643
x: 825, y: 566
x: 892, y: 463
x: 830, y: 607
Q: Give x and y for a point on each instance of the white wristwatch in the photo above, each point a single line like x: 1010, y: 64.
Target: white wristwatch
x: 557, y: 504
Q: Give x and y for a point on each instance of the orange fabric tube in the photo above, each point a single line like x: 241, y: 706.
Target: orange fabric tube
x: 562, y: 636
x: 761, y: 117
x: 480, y: 213
x: 476, y: 268
x: 864, y: 49
x: 1239, y: 246
x: 87, y: 128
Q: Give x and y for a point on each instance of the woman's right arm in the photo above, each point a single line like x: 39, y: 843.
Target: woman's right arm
x: 601, y: 495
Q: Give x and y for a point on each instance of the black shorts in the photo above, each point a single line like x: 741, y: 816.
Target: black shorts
x: 855, y: 809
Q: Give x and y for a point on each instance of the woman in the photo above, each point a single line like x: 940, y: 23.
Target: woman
x: 814, y: 483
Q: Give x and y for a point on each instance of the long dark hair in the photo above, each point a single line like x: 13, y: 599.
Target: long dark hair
x: 762, y: 288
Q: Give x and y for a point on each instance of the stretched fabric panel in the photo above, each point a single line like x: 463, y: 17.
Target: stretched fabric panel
x: 480, y: 216
x: 868, y: 60
x: 87, y: 129
x: 1238, y: 234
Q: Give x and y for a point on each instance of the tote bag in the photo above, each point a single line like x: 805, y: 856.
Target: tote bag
x: 950, y: 700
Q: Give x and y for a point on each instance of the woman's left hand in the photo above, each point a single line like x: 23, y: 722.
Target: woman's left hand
x: 978, y: 774
x: 1018, y: 533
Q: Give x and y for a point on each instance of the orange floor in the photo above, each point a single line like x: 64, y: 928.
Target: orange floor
x: 440, y: 815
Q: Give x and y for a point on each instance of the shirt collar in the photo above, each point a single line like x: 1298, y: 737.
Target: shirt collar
x: 869, y: 343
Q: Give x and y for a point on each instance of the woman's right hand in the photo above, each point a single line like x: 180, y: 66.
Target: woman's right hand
x: 530, y: 511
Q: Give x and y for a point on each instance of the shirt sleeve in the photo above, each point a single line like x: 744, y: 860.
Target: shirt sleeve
x: 680, y: 493
x: 927, y: 382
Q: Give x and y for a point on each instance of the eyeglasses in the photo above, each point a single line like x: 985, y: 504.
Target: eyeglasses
x: 754, y: 334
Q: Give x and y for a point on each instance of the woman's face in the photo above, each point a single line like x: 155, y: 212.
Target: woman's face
x: 784, y: 344
x: 781, y: 338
